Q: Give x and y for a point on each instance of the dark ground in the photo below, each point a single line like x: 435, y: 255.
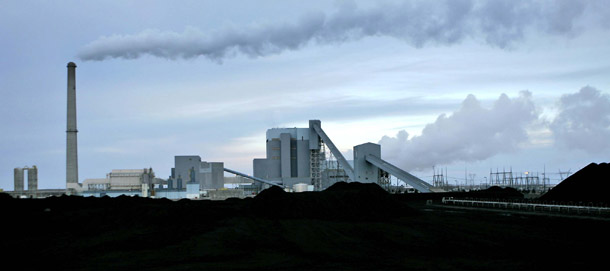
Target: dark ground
x: 349, y: 226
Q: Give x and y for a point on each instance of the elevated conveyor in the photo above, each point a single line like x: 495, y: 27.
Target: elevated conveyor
x: 369, y: 167
x: 411, y: 180
x: 315, y: 126
x: 251, y: 177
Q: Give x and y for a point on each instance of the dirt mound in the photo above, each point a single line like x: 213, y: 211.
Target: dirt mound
x: 342, y: 201
x: 590, y: 184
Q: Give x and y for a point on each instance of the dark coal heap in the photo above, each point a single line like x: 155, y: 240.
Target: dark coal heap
x: 342, y: 201
x: 591, y: 184
x: 271, y: 193
x: 350, y: 226
x: 496, y: 192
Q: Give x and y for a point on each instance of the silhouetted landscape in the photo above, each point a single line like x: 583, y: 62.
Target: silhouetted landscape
x: 305, y: 135
x: 347, y: 226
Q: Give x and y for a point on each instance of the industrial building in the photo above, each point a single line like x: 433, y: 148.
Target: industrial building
x: 289, y: 160
x: 121, y: 180
x: 190, y: 169
x: 19, y: 178
x: 191, y: 178
x: 20, y: 189
x: 297, y: 156
x: 288, y: 157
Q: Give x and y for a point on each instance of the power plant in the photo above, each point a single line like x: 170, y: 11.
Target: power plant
x: 297, y: 159
x: 298, y: 156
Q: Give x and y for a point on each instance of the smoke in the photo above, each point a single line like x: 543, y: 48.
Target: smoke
x: 470, y: 134
x: 419, y: 23
x: 583, y: 121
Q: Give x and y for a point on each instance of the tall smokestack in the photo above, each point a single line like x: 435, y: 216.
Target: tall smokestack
x: 71, y: 149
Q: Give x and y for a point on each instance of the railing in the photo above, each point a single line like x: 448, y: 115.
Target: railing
x: 534, y: 207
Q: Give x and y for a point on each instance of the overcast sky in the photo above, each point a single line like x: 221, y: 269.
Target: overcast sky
x: 462, y: 85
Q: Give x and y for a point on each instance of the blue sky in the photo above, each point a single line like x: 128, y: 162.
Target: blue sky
x: 472, y: 85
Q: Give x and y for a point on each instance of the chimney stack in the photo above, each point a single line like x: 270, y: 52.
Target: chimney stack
x: 71, y: 145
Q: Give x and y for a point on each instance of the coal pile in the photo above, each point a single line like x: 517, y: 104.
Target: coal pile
x: 350, y: 226
x: 342, y: 201
x: 496, y: 192
x: 591, y: 184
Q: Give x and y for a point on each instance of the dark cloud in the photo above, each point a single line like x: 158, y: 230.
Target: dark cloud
x: 472, y: 133
x: 583, y: 121
x: 499, y: 23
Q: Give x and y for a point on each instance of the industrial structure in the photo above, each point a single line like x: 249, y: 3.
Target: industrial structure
x: 190, y: 169
x: 191, y: 178
x: 71, y: 131
x: 20, y: 190
x: 531, y: 181
x: 120, y: 180
x: 296, y: 159
x: 288, y: 157
x: 32, y: 179
x: 297, y: 156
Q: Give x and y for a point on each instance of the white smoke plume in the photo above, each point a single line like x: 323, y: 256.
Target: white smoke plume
x: 583, y: 121
x: 497, y: 22
x: 472, y: 133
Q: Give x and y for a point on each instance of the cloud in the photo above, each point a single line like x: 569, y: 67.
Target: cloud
x: 472, y: 133
x: 583, y: 121
x: 419, y: 23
